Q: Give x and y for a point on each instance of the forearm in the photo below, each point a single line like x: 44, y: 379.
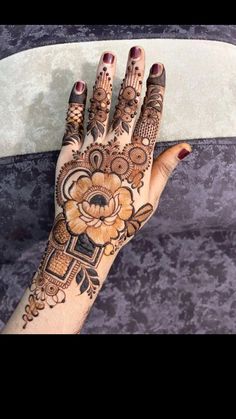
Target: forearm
x: 64, y: 287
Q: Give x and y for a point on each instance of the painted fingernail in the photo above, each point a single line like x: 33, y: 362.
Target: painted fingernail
x: 79, y: 87
x: 183, y: 153
x: 155, y: 69
x: 108, y: 58
x: 135, y: 52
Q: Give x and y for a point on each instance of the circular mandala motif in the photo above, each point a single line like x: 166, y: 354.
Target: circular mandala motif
x: 51, y: 289
x: 99, y: 94
x: 129, y: 93
x: 121, y: 166
x: 122, y: 103
x: 101, y: 116
x: 60, y: 233
x: 126, y: 117
x: 138, y: 155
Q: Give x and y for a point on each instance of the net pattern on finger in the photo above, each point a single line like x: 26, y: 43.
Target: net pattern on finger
x: 74, y: 131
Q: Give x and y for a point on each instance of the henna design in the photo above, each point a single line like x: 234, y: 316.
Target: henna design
x: 134, y: 224
x: 98, y: 213
x: 75, y: 117
x: 129, y: 164
x: 99, y: 108
x: 32, y: 310
x: 74, y: 125
x: 88, y: 280
x: 63, y: 258
x: 148, y: 123
x: 128, y: 99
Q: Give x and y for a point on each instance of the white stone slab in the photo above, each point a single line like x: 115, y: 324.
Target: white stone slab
x: 200, y: 99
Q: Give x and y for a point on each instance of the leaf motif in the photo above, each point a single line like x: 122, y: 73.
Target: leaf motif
x: 68, y: 141
x: 93, y: 276
x: 132, y: 227
x: 153, y: 90
x: 100, y: 127
x: 90, y: 125
x: 115, y: 123
x: 94, y: 132
x: 125, y: 126
x: 139, y: 217
x: 153, y: 103
x: 84, y: 286
x: 80, y: 276
x: 92, y: 272
x: 143, y: 213
x: 95, y: 281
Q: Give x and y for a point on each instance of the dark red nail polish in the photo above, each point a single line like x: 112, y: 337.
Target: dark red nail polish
x: 155, y: 69
x: 79, y: 87
x: 135, y: 52
x: 183, y: 153
x: 108, y: 58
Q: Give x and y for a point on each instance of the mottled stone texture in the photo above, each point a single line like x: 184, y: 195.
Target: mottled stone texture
x: 15, y: 38
x: 176, y: 276
x: 35, y: 86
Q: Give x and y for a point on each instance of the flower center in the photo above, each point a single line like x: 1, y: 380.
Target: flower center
x: 98, y: 200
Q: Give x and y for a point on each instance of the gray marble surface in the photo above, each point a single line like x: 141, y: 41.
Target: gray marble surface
x: 15, y: 38
x: 178, y: 274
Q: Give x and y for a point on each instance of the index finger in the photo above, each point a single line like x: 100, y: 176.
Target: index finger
x: 148, y: 124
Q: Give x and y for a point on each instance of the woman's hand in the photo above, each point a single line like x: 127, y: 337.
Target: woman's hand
x: 107, y: 187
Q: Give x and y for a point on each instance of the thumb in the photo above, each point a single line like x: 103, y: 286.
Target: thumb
x: 162, y: 168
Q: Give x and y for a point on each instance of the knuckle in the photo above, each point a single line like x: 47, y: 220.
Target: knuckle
x: 165, y: 168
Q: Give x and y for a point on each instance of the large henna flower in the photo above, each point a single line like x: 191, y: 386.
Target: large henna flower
x: 99, y: 207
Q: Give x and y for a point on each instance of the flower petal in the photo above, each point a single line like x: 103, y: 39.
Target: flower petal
x: 108, y: 209
x: 98, y: 235
x: 77, y: 226
x: 125, y: 200
x: 102, y: 234
x: 119, y: 224
x: 61, y: 296
x: 98, y: 179
x: 78, y: 188
x: 125, y: 212
x: 125, y: 196
x: 71, y: 210
x: 94, y: 222
x: 110, y: 220
x: 94, y: 210
x: 72, y: 213
x: 51, y: 302
x: 112, y: 182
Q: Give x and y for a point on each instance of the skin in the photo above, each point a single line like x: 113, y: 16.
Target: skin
x: 107, y: 187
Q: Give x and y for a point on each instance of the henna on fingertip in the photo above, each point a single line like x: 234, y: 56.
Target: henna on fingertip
x: 75, y: 116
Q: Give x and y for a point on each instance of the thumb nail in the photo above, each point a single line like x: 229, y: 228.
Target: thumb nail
x: 183, y: 153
